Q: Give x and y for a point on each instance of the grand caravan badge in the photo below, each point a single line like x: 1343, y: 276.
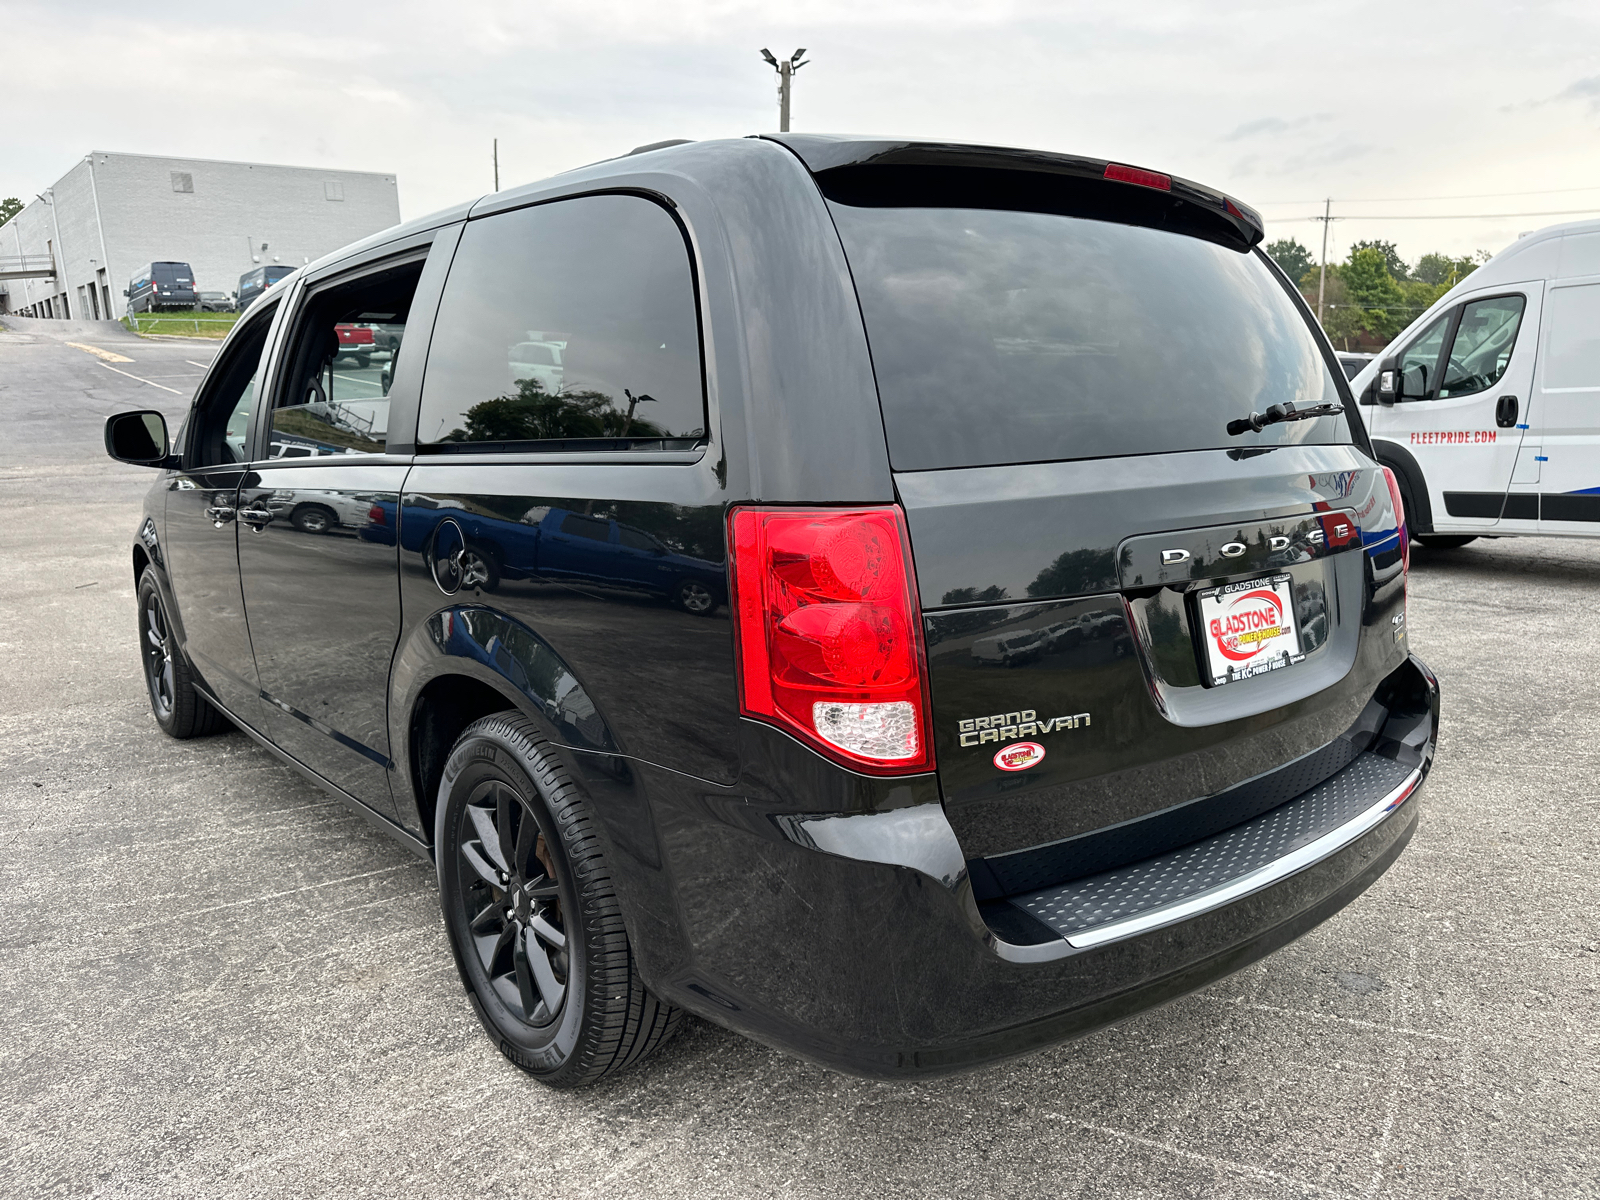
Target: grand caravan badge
x: 1006, y: 727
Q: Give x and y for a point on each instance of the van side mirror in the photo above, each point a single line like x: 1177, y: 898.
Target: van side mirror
x: 139, y: 438
x: 126, y: 292
x: 1388, y: 381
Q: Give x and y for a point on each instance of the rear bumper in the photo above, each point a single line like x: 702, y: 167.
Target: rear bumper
x: 855, y: 941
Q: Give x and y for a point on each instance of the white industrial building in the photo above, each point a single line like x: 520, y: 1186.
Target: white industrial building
x: 72, y: 251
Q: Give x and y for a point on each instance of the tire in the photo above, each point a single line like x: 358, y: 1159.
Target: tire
x: 363, y: 361
x: 180, y: 710
x: 479, y: 569
x: 1445, y: 541
x: 551, y: 975
x: 313, y: 518
x: 695, y: 597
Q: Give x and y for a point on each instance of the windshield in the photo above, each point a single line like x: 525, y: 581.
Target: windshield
x: 1007, y: 337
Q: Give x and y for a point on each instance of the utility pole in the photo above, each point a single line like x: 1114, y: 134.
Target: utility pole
x: 785, y: 70
x: 1322, y: 278
x: 497, y: 164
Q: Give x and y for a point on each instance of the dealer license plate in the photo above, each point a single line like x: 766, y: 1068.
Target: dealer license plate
x: 1248, y: 628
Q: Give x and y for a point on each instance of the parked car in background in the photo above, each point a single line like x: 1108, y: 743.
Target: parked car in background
x: 253, y: 283
x: 1487, y: 406
x: 811, y: 800
x: 356, y: 342
x: 161, y: 285
x: 214, y: 302
x: 1352, y: 362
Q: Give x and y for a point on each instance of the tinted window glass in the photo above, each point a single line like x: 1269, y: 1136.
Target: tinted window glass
x: 1573, y: 360
x: 1482, y: 349
x: 1419, y: 364
x: 346, y: 351
x: 222, y: 411
x: 567, y: 321
x: 1002, y: 337
x: 586, y: 527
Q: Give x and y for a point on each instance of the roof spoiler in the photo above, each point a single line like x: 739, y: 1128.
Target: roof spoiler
x: 906, y: 174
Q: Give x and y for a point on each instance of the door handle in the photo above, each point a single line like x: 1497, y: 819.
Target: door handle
x: 1505, y: 412
x: 220, y: 514
x: 256, y: 518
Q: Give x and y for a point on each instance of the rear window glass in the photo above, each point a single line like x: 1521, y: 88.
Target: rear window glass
x: 1007, y: 337
x: 574, y: 321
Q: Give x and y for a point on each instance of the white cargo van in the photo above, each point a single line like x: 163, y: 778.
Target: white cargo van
x: 1488, y: 405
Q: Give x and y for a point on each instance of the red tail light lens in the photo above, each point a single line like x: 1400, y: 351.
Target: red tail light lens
x: 375, y: 515
x: 829, y: 633
x: 1399, y: 518
x: 1138, y: 175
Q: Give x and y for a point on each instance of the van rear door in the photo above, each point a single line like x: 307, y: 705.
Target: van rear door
x: 1131, y: 613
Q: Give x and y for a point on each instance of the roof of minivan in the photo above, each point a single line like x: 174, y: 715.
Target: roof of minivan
x: 819, y: 152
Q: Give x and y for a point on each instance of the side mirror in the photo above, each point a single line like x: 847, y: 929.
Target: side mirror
x: 1388, y: 385
x: 139, y: 438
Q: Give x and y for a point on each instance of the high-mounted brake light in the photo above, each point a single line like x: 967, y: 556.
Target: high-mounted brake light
x: 1149, y: 179
x: 829, y: 633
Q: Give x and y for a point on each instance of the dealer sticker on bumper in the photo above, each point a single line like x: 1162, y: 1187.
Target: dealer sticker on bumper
x: 1249, y: 628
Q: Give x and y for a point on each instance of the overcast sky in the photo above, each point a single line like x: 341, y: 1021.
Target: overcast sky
x: 1382, y: 106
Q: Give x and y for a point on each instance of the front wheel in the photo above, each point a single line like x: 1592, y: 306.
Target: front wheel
x: 313, y: 518
x: 180, y: 710
x: 534, y: 923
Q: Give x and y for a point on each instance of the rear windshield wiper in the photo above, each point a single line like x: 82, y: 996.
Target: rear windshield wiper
x: 1256, y: 422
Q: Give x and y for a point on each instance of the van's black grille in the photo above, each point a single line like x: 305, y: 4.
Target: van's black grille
x: 1072, y: 908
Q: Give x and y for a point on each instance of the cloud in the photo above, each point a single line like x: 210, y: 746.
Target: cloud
x: 1270, y: 126
x: 1587, y: 90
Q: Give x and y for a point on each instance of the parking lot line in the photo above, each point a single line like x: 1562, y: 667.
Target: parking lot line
x: 152, y: 383
x: 99, y: 353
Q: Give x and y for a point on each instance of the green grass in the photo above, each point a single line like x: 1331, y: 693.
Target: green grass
x: 183, y: 324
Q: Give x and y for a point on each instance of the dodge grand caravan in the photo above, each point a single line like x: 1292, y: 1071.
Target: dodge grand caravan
x: 904, y: 403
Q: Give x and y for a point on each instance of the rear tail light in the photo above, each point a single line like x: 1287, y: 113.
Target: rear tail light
x: 829, y: 633
x: 1399, y: 518
x: 1138, y: 175
x: 375, y: 515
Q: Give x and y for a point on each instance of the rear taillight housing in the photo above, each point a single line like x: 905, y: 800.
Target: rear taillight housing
x: 829, y: 633
x: 1399, y: 518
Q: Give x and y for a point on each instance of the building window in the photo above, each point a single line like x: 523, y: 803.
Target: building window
x: 182, y: 181
x: 332, y: 189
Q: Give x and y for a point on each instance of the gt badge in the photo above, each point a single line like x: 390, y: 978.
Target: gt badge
x: 1019, y: 757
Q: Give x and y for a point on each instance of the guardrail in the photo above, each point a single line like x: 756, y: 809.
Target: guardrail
x: 27, y: 266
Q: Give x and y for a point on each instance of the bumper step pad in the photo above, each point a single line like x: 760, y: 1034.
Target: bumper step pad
x: 1089, y: 911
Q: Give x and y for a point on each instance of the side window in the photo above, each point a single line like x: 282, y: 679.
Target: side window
x: 1483, y: 344
x: 342, y: 362
x: 586, y: 527
x: 635, y: 539
x: 221, y: 418
x: 1573, y: 357
x: 569, y: 321
x: 1419, y: 364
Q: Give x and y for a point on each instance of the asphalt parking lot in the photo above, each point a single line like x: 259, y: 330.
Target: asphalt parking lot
x: 218, y: 982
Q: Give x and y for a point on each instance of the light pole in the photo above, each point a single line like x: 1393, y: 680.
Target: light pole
x: 785, y: 70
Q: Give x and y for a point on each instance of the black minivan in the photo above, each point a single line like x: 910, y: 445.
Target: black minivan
x: 161, y: 285
x: 1062, y: 667
x: 253, y: 283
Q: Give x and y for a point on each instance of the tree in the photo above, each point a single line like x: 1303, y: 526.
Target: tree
x: 1391, y: 257
x: 534, y: 414
x: 1373, y: 289
x: 9, y: 207
x: 1442, y: 269
x: 1289, y: 254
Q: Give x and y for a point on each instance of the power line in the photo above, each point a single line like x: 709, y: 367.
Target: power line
x: 1414, y: 199
x: 1565, y: 212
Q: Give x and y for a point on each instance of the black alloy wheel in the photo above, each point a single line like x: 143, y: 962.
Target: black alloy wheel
x: 180, y: 710
x: 695, y: 597
x: 534, y: 924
